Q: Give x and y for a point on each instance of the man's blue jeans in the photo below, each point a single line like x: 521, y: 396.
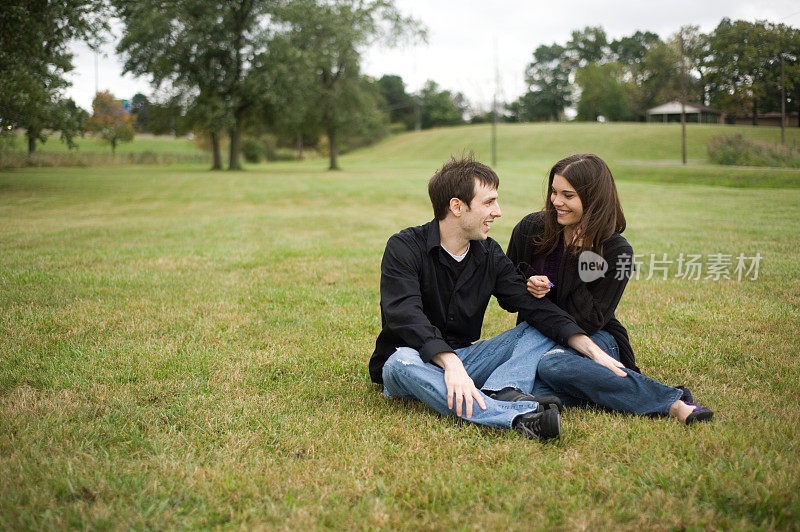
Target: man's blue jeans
x: 579, y: 381
x: 507, y: 360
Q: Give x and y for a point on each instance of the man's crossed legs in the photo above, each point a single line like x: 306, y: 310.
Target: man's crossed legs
x: 509, y: 360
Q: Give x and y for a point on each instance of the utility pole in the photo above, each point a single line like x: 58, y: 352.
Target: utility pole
x: 417, y: 114
x: 783, y: 106
x: 494, y: 107
x: 683, y: 74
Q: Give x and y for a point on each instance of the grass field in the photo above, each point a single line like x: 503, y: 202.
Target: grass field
x: 93, y: 145
x: 187, y: 349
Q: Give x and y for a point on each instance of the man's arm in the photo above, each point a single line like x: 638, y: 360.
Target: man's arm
x: 401, y: 301
x: 546, y: 316
x: 542, y: 314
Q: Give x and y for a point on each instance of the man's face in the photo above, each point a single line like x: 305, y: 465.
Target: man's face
x: 476, y: 220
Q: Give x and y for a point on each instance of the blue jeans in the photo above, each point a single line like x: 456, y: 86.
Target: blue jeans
x: 507, y: 360
x: 579, y: 381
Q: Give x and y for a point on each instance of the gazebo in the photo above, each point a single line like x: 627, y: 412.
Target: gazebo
x: 671, y: 112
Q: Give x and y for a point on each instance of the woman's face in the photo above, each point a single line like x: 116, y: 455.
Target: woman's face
x: 566, y: 201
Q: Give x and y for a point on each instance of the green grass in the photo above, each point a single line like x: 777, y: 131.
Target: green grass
x: 187, y: 349
x: 523, y: 143
x: 91, y: 145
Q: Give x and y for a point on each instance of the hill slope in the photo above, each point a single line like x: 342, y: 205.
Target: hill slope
x: 551, y: 141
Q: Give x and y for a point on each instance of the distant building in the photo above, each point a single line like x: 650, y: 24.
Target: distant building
x: 671, y: 112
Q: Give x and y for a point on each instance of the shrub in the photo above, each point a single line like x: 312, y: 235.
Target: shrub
x: 253, y: 150
x: 262, y: 148
x: 741, y: 151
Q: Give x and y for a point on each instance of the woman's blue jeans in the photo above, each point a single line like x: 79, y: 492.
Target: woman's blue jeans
x: 579, y: 381
x: 507, y: 360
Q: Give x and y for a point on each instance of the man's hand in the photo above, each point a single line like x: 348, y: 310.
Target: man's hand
x: 584, y: 345
x: 539, y: 285
x: 460, y: 388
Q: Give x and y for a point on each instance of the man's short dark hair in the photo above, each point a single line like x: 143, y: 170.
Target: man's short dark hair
x: 456, y: 179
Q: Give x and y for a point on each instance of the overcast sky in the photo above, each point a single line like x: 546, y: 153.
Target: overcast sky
x: 466, y: 36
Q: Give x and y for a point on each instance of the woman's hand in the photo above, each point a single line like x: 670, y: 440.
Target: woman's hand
x: 539, y: 285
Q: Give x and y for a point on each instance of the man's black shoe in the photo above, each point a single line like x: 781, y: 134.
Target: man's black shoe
x: 542, y: 425
x: 546, y: 402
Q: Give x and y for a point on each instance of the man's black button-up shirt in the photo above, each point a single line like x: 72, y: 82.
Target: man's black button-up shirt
x: 426, y: 307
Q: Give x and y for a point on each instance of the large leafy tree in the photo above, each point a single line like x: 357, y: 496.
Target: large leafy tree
x: 789, y: 46
x: 743, y: 53
x: 672, y: 70
x: 630, y: 53
x: 211, y: 50
x: 34, y: 59
x: 291, y: 109
x: 603, y: 92
x: 549, y: 89
x: 332, y: 34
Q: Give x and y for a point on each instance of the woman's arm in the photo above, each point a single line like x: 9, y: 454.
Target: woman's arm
x: 521, y: 247
x: 593, y: 304
x: 516, y: 246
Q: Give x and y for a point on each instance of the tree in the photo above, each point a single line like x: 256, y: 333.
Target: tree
x: 140, y: 109
x: 630, y: 51
x: 549, y: 90
x: 789, y: 45
x: 110, y: 120
x: 603, y: 92
x: 440, y: 107
x: 399, y: 104
x: 661, y: 81
x: 34, y: 58
x: 207, y: 113
x: 211, y: 50
x: 332, y: 34
x: 742, y: 53
x: 589, y: 45
x: 291, y: 108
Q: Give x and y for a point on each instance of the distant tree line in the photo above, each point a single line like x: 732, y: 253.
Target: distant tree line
x: 252, y: 73
x: 431, y: 107
x: 735, y: 68
x: 225, y: 68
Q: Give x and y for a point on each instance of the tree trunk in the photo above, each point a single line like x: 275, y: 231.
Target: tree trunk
x: 31, y: 145
x: 332, y: 148
x: 299, y: 146
x: 755, y: 111
x: 113, y: 146
x: 235, y: 134
x: 217, y: 159
x: 796, y: 101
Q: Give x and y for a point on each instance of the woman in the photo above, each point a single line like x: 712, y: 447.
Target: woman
x: 572, y: 253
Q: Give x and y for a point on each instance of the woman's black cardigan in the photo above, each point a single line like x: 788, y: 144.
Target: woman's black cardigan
x: 592, y: 305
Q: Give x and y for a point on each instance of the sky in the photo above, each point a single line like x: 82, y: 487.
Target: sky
x: 471, y: 43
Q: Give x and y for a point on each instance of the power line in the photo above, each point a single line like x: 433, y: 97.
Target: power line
x: 789, y: 16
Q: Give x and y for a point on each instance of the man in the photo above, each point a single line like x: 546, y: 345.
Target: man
x: 436, y: 281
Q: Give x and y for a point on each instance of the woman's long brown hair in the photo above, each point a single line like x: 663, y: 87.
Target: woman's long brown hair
x: 602, y: 216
